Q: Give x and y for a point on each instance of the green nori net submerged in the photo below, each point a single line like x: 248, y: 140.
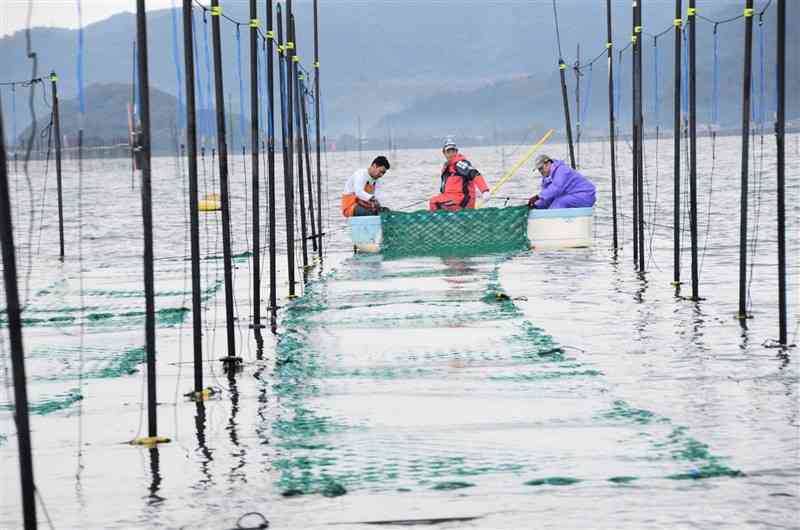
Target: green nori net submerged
x: 467, y: 232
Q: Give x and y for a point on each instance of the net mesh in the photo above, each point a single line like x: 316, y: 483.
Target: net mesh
x: 467, y: 232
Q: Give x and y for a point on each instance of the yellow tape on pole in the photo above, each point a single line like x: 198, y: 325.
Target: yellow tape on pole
x: 519, y: 164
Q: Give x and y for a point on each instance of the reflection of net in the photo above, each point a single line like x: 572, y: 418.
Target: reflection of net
x: 455, y: 233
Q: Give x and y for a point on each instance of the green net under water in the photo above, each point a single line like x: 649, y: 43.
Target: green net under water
x: 467, y: 232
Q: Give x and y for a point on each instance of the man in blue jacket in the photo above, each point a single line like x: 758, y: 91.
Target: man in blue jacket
x: 562, y: 186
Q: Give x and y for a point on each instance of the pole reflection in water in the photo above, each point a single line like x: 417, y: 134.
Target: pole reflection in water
x: 237, y: 451
x: 202, y: 448
x: 698, y: 324
x: 155, y: 478
x: 262, y: 427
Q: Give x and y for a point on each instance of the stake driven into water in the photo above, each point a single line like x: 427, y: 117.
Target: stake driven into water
x: 294, y: 113
x: 676, y: 151
x: 748, y: 67
x: 307, y: 151
x: 317, y: 124
x: 254, y: 152
x: 288, y: 185
x: 691, y: 16
x: 143, y: 151
x: 780, y: 136
x: 13, y: 314
x: 578, y: 124
x: 222, y: 149
x: 290, y: 144
x: 273, y: 298
x: 194, y: 228
x: 635, y: 50
x: 639, y: 161
x: 562, y: 67
x: 527, y: 156
x: 57, y: 133
x: 611, y: 125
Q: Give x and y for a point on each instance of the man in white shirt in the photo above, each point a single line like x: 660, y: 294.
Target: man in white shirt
x: 359, y: 197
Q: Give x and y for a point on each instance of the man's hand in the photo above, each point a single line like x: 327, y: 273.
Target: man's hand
x: 532, y: 202
x: 485, y: 195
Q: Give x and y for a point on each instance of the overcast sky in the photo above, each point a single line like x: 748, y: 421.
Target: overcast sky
x: 64, y: 13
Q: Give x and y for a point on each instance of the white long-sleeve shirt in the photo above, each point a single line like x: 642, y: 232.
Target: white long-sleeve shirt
x: 358, y: 181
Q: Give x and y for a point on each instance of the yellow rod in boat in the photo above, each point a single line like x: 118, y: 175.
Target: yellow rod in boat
x: 519, y: 164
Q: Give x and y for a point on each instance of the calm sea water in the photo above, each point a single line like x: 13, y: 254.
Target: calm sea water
x: 556, y: 389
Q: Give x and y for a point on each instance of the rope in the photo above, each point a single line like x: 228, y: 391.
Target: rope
x: 599, y: 56
x: 222, y: 15
x: 719, y: 22
x: 660, y: 33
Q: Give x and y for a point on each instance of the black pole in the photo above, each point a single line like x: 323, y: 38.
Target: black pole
x: 57, y: 133
x: 317, y: 123
x: 273, y: 299
x: 780, y: 133
x: 143, y: 156
x: 306, y: 151
x: 640, y: 131
x: 691, y: 16
x: 676, y: 151
x: 578, y: 107
x: 635, y: 49
x: 562, y: 67
x: 254, y: 152
x: 194, y: 227
x: 15, y: 339
x: 288, y: 142
x: 222, y: 149
x: 298, y: 141
x: 748, y: 65
x: 611, y: 126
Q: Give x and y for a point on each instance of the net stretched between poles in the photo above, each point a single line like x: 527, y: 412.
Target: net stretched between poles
x: 467, y: 232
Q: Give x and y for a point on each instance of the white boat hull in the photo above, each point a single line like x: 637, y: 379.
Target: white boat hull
x: 560, y: 228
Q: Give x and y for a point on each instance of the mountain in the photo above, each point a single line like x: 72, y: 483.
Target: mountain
x: 535, y: 101
x: 105, y: 121
x: 384, y: 58
x: 376, y: 57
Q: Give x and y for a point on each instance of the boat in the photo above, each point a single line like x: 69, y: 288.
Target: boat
x: 547, y: 230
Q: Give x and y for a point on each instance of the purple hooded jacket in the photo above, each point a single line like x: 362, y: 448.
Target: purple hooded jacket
x: 565, y: 188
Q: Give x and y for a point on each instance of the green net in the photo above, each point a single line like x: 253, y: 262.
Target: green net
x: 467, y: 232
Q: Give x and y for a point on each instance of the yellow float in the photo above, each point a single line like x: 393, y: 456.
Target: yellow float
x: 209, y: 203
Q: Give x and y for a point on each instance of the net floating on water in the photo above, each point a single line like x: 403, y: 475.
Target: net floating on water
x: 471, y: 232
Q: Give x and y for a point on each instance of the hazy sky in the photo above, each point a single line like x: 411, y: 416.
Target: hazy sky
x: 64, y: 13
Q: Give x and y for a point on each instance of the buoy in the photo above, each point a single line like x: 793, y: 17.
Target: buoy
x: 205, y: 205
x: 210, y: 203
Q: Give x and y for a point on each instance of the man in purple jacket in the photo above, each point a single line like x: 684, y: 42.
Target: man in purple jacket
x: 562, y: 186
